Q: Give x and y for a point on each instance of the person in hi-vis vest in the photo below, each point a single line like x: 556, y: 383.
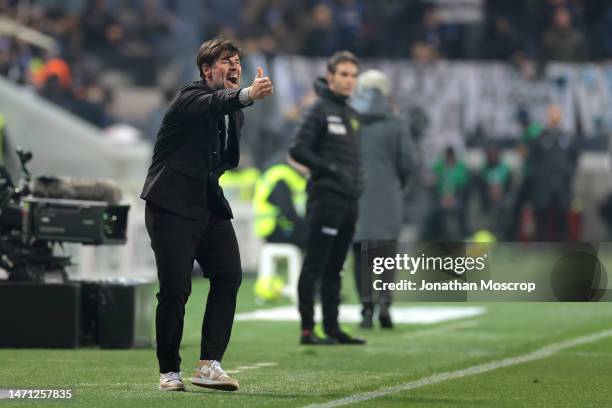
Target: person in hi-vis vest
x: 279, y: 204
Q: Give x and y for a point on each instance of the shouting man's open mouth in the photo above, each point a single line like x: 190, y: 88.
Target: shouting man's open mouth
x: 232, y: 79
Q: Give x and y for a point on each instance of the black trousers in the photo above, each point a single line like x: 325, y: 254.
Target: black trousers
x: 177, y: 241
x: 552, y: 223
x: 364, y: 280
x: 330, y: 235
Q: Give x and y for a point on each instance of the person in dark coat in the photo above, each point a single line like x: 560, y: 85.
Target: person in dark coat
x: 554, y: 158
x: 187, y: 216
x: 389, y: 162
x: 327, y: 142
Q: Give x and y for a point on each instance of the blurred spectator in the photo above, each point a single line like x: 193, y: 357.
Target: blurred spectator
x: 562, y: 42
x: 88, y: 101
x: 54, y: 67
x: 102, y: 33
x: 607, y: 33
x: 501, y: 40
x: 9, y: 61
x: 320, y: 38
x: 153, y: 24
x: 283, y: 20
x: 494, y: 186
x: 92, y: 103
x: 422, y: 52
x: 553, y: 157
x: 389, y: 25
x: 430, y: 31
x: 441, y: 39
x: 530, y: 132
x: 349, y: 24
x: 450, y: 193
x: 496, y: 177
x: 143, y: 42
x: 115, y: 31
x: 53, y: 90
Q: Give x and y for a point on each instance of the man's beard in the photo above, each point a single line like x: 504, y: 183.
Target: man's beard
x: 216, y: 84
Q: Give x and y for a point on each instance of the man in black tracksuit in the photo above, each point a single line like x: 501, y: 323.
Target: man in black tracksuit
x: 327, y: 142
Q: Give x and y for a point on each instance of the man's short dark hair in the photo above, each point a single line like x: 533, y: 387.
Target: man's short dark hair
x: 339, y: 58
x: 212, y: 50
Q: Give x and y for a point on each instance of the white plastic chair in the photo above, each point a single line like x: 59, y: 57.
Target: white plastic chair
x: 268, y: 260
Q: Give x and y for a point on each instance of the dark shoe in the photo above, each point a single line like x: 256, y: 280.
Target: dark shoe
x: 345, y: 338
x: 366, y: 322
x: 385, y: 320
x: 309, y: 338
x: 366, y: 318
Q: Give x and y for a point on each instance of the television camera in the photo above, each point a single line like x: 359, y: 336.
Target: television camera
x: 38, y: 215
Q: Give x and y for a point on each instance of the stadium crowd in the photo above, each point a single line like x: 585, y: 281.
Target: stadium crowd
x: 144, y: 40
x: 142, y: 37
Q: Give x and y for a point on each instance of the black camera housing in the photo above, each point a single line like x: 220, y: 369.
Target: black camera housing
x: 31, y: 226
x: 86, y: 222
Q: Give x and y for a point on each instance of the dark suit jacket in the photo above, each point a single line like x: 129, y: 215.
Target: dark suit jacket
x: 189, y: 156
x: 553, y: 158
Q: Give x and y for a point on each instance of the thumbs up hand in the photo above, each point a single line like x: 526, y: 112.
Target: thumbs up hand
x: 261, y: 87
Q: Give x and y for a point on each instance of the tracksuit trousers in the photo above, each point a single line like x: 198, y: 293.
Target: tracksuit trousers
x: 331, y: 231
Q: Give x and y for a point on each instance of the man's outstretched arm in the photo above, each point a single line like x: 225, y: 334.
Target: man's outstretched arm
x: 194, y: 100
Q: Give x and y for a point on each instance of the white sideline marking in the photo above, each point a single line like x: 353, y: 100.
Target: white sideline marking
x: 352, y: 314
x: 590, y: 354
x: 544, y: 352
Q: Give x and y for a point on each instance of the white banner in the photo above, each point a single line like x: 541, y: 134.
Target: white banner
x: 462, y: 99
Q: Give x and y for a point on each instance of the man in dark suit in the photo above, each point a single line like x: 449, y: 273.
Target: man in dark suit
x: 554, y: 159
x: 187, y: 216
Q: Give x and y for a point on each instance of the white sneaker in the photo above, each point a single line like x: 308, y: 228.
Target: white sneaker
x: 209, y: 374
x: 171, y: 381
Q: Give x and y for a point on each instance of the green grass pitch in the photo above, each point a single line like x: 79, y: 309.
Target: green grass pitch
x: 575, y: 377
